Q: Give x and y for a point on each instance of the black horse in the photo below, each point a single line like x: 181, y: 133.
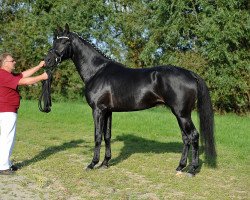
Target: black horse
x: 112, y: 87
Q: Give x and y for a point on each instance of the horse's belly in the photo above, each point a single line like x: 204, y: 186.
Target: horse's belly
x: 138, y: 101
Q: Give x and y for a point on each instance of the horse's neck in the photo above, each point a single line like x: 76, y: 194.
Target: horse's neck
x: 87, y: 59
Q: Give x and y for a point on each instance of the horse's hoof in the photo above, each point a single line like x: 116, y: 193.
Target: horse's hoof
x: 179, y: 173
x: 191, y: 172
x: 103, y: 167
x: 89, y: 168
x: 190, y: 175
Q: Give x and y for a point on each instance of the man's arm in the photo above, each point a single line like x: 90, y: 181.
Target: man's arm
x: 33, y: 70
x: 32, y: 80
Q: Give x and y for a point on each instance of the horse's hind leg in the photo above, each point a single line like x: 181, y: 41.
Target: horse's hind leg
x: 190, y: 137
x: 107, y: 139
x: 186, y: 146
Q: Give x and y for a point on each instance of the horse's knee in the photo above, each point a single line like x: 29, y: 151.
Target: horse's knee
x: 186, y: 140
x: 195, y: 136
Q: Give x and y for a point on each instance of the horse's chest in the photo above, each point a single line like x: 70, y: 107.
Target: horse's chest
x: 97, y: 94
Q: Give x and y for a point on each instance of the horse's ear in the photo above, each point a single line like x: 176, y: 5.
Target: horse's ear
x: 66, y: 28
x: 59, y: 30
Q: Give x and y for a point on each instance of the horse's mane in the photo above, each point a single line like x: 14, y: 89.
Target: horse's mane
x: 87, y: 42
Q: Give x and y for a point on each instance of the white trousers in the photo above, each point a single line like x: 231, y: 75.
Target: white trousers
x: 7, y: 138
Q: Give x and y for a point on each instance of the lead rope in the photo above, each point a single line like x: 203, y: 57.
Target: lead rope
x: 44, y: 102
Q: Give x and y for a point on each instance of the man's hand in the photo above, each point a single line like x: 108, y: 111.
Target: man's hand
x: 41, y: 64
x: 45, y: 76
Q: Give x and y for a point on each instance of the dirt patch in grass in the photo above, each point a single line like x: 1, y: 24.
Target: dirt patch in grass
x: 18, y: 187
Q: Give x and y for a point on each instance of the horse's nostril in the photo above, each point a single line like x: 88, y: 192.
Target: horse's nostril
x: 48, y: 60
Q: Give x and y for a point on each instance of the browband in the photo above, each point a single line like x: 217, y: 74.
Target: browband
x: 62, y: 37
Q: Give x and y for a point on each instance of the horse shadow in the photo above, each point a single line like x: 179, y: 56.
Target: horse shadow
x: 50, y: 151
x: 134, y: 144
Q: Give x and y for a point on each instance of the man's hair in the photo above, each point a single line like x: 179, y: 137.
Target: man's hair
x: 3, y: 57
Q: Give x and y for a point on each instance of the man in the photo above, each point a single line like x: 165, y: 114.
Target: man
x: 9, y: 104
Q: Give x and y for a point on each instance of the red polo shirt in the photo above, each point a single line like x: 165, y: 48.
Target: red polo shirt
x: 9, y: 95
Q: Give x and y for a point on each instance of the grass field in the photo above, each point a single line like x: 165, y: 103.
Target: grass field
x: 54, y: 150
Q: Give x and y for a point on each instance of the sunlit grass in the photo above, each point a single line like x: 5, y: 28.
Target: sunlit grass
x: 55, y: 148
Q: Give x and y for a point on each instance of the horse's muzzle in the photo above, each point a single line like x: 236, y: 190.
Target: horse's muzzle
x: 51, y: 59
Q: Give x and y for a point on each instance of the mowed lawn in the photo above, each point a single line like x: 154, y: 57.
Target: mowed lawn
x: 55, y: 148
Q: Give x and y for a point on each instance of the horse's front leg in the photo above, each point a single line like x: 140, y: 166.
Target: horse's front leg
x: 107, y: 139
x: 98, y: 116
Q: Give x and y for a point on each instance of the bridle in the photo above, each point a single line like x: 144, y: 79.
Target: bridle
x: 44, y: 102
x: 58, y: 54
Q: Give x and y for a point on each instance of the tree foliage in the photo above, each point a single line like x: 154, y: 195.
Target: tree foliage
x: 208, y: 37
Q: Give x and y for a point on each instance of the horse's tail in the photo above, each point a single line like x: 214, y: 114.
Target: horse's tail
x: 206, y: 116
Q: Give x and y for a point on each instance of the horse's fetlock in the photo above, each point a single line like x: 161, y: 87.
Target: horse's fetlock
x: 181, y: 167
x: 95, y: 162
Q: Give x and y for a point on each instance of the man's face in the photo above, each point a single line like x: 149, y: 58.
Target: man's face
x: 9, y: 64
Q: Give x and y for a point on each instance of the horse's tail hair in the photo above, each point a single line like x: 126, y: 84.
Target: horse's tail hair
x: 206, y: 116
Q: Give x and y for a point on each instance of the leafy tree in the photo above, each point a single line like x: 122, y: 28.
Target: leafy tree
x: 208, y: 37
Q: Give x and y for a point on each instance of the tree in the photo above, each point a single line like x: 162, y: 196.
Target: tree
x: 208, y: 37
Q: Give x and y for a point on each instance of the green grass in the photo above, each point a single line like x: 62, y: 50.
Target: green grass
x: 55, y: 148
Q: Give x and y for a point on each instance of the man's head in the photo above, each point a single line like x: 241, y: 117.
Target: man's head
x: 7, y: 62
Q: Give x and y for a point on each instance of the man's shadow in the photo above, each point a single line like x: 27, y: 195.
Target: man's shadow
x: 50, y: 151
x: 134, y: 144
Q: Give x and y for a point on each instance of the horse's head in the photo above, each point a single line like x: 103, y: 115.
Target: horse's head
x: 61, y: 47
